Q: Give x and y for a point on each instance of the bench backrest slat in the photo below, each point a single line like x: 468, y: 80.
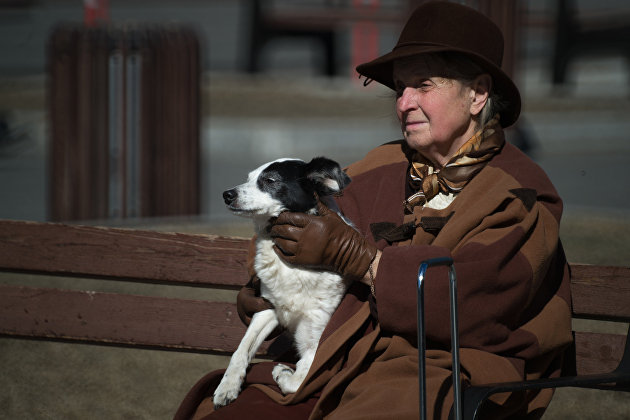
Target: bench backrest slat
x: 125, y: 253
x: 122, y: 319
x: 110, y: 318
x: 600, y: 292
x: 598, y: 352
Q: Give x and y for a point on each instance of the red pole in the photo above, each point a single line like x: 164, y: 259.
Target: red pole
x: 95, y: 12
x: 364, y: 34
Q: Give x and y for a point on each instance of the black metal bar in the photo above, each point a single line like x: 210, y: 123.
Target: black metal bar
x: 457, y: 391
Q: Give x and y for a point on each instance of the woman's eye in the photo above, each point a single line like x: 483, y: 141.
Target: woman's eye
x: 423, y: 85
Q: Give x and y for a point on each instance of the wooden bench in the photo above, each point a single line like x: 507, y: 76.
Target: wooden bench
x: 126, y: 256
x: 599, y: 293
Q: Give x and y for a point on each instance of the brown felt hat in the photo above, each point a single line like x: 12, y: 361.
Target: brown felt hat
x: 441, y: 26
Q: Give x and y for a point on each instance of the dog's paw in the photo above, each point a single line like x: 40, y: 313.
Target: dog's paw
x: 281, y: 372
x: 226, y: 392
x: 285, y: 378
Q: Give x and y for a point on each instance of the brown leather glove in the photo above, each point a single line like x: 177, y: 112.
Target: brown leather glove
x: 249, y: 301
x: 323, y: 242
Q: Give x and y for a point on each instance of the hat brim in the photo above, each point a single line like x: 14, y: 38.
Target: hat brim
x: 381, y: 70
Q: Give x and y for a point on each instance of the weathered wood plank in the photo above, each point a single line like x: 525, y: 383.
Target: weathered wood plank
x: 127, y: 253
x: 601, y: 291
x: 598, y: 352
x: 122, y: 319
x: 182, y: 324
x: 109, y: 318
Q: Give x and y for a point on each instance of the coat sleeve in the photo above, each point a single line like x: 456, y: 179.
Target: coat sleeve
x: 508, y: 267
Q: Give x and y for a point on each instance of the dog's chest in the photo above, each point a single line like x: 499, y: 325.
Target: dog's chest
x: 294, y: 291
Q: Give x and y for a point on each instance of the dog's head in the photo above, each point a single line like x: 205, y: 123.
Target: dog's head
x: 286, y: 185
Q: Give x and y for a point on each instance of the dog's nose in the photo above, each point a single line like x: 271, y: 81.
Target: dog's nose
x: 229, y: 196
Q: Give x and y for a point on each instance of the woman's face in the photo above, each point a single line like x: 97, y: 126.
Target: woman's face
x: 436, y: 113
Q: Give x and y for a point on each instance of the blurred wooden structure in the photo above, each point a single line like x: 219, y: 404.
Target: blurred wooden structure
x: 124, y: 107
x: 324, y: 20
x: 597, y: 33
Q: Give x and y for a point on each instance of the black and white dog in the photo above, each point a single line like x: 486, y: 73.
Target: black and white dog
x: 303, y: 300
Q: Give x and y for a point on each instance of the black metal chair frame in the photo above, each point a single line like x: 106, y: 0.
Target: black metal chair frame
x: 468, y: 401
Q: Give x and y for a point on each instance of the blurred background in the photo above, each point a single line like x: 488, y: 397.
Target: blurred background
x: 114, y: 110
x: 140, y: 113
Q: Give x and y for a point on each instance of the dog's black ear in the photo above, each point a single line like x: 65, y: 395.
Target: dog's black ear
x: 326, y: 176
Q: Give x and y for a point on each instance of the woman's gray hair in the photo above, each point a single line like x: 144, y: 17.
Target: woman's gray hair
x: 461, y: 67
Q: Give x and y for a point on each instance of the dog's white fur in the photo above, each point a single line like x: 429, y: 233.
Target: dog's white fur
x: 303, y: 300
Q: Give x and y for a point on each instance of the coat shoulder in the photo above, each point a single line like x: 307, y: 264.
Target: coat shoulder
x: 388, y: 153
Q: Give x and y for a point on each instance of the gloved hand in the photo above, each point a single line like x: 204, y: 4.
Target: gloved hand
x: 249, y: 301
x: 322, y: 242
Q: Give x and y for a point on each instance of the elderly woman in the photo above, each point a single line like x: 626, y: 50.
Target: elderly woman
x: 453, y: 187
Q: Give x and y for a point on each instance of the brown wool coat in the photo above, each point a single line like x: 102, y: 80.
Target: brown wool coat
x: 513, y: 295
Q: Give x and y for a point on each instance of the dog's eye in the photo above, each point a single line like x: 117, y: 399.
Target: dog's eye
x: 268, y: 180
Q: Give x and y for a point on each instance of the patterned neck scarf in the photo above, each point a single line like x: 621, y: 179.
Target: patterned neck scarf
x: 426, y: 181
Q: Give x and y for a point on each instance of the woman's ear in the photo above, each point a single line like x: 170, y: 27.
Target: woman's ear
x: 480, y: 91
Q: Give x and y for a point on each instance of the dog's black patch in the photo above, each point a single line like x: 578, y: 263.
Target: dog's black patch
x: 294, y: 182
x: 284, y: 181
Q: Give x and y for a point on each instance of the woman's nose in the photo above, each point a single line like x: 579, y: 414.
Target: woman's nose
x: 407, y: 100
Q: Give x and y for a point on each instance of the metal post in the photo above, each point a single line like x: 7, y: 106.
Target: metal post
x: 116, y: 195
x: 422, y: 377
x: 457, y: 397
x: 133, y: 83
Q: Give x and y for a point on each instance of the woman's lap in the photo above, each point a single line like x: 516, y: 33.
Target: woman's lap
x: 253, y: 404
x: 250, y: 404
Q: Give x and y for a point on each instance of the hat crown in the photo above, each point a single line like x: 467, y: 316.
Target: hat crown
x: 441, y: 27
x: 455, y: 27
